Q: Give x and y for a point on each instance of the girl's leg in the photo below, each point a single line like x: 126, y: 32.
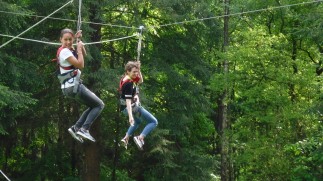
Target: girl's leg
x: 95, y: 104
x: 151, y: 122
x: 151, y: 125
x: 68, y: 92
x: 133, y: 128
x: 82, y: 119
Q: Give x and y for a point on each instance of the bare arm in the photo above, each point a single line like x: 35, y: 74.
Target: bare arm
x: 140, y: 74
x: 141, y: 80
x: 79, y: 62
x: 129, y: 109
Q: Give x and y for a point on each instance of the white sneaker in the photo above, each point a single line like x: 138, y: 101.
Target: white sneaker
x: 138, y: 142
x: 124, y: 143
x: 72, y: 131
x: 85, y: 134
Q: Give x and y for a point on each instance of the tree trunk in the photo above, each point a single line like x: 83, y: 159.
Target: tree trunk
x: 222, y: 104
x: 91, y: 166
x: 117, y: 119
x: 295, y: 70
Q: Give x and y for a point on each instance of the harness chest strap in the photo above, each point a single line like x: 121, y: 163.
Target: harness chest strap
x: 122, y: 82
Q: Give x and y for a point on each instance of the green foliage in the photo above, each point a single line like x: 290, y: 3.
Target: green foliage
x: 274, y: 91
x: 274, y: 96
x: 12, y: 104
x: 307, y: 156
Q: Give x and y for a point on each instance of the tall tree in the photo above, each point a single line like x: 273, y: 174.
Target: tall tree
x: 223, y: 102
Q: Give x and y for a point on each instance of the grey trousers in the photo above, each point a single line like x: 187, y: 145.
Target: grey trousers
x: 88, y: 98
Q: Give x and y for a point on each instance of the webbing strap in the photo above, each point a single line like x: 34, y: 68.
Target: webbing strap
x: 77, y: 79
x: 68, y: 68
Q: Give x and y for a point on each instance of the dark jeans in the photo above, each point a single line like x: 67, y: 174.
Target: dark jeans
x: 88, y: 98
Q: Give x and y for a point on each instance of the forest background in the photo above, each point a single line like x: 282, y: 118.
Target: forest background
x: 238, y: 96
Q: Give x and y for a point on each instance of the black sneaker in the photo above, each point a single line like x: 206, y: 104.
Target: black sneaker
x: 138, y: 142
x: 85, y: 134
x: 73, y: 131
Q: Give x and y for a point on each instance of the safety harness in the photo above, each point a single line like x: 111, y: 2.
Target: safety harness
x: 122, y: 82
x: 74, y: 73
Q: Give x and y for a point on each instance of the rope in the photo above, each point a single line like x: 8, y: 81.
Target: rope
x: 79, y: 24
x: 78, y: 28
x: 4, y: 175
x: 63, y: 19
x: 105, y: 41
x: 35, y: 24
x: 139, y: 42
x: 33, y: 40
x: 53, y: 43
x: 79, y: 20
x: 169, y: 24
x: 183, y: 22
x: 235, y: 14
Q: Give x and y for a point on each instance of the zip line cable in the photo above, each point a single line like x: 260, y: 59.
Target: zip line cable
x: 33, y: 40
x: 116, y: 39
x: 235, y: 14
x: 79, y: 24
x: 70, y: 20
x: 164, y: 25
x: 183, y: 22
x: 53, y: 43
x: 4, y: 175
x: 35, y: 24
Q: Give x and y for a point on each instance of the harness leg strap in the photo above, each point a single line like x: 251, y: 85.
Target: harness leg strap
x: 77, y: 81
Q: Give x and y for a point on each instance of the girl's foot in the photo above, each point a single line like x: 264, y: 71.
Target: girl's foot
x: 72, y: 130
x: 124, y: 142
x: 85, y: 134
x: 139, y: 142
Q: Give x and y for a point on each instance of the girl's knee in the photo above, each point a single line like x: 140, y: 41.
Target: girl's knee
x: 101, y: 105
